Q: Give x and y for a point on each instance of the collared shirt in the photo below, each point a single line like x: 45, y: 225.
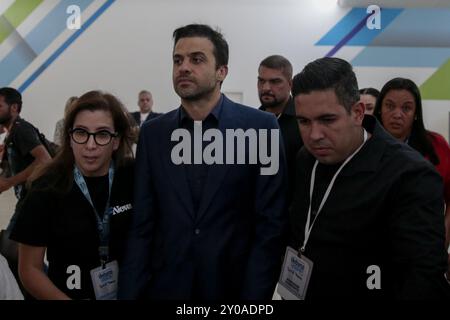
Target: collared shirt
x: 196, y: 174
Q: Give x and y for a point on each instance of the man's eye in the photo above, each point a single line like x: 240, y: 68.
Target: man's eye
x: 327, y: 120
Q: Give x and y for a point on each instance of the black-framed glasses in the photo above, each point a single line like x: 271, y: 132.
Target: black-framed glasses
x: 102, y: 137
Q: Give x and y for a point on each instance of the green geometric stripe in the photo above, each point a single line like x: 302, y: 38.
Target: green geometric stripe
x: 15, y: 15
x: 437, y: 87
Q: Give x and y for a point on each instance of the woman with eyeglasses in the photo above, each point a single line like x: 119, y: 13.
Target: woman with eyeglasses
x: 78, y: 207
x: 399, y: 109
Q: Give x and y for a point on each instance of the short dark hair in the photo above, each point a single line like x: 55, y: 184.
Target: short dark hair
x: 370, y: 91
x: 419, y: 139
x: 328, y: 73
x: 279, y: 63
x: 204, y: 31
x: 12, y: 96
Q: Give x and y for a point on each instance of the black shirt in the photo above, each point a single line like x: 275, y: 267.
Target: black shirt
x: 196, y: 174
x: 98, y: 191
x: 66, y: 225
x: 324, y: 174
x: 22, y: 138
x: 292, y: 140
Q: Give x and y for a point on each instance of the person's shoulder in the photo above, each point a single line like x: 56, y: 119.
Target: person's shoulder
x: 24, y: 123
x: 161, y: 120
x: 406, y: 158
x: 42, y: 183
x: 437, y: 139
x: 252, y: 114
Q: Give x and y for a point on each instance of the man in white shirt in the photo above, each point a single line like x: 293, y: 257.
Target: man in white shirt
x: 145, y: 103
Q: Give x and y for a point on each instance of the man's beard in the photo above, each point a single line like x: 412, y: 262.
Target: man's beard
x: 6, y: 119
x: 270, y: 104
x: 197, y: 94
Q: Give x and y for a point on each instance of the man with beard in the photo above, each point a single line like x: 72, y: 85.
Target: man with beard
x: 23, y: 148
x: 274, y: 89
x: 203, y: 231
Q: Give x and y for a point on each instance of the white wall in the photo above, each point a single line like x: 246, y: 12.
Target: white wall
x: 129, y: 48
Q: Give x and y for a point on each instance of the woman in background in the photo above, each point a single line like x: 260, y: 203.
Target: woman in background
x: 369, y: 97
x: 59, y: 127
x: 399, y: 109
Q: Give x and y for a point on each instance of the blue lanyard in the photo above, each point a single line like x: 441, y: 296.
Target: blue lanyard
x: 102, y: 224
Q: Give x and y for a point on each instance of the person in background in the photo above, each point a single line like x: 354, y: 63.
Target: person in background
x: 369, y: 97
x: 399, y: 109
x: 58, y: 135
x: 3, y: 134
x: 145, y: 103
x: 24, y: 148
x: 79, y: 206
x: 274, y: 91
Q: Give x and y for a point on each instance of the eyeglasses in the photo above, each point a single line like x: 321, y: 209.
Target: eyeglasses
x: 102, y: 137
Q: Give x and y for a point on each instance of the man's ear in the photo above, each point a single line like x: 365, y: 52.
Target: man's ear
x: 15, y: 108
x: 221, y: 73
x: 358, y: 110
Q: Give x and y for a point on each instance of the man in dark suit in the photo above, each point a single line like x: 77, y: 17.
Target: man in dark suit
x: 209, y: 230
x: 274, y: 90
x: 145, y: 103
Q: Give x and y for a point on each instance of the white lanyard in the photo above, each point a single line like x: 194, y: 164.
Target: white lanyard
x: 308, y: 228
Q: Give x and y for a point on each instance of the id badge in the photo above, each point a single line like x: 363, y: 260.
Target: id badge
x: 104, y: 281
x: 295, y: 275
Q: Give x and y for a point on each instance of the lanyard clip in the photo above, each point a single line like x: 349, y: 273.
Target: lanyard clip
x: 301, y: 251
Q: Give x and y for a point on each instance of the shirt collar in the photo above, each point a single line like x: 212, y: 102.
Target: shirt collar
x: 215, y: 112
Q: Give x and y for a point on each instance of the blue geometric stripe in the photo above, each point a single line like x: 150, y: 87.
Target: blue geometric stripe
x: 53, y: 25
x: 65, y: 45
x: 365, y: 36
x: 401, y: 57
x: 347, y: 38
x: 418, y: 28
x: 36, y: 41
x: 15, y: 62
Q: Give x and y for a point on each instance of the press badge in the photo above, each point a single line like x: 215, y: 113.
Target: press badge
x: 104, y: 281
x: 295, y: 275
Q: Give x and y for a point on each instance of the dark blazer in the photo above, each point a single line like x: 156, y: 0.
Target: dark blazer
x: 292, y: 140
x: 137, y: 116
x: 231, y: 247
x: 385, y: 210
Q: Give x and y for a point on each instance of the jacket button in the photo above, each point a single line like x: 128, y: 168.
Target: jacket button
x: 197, y: 231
